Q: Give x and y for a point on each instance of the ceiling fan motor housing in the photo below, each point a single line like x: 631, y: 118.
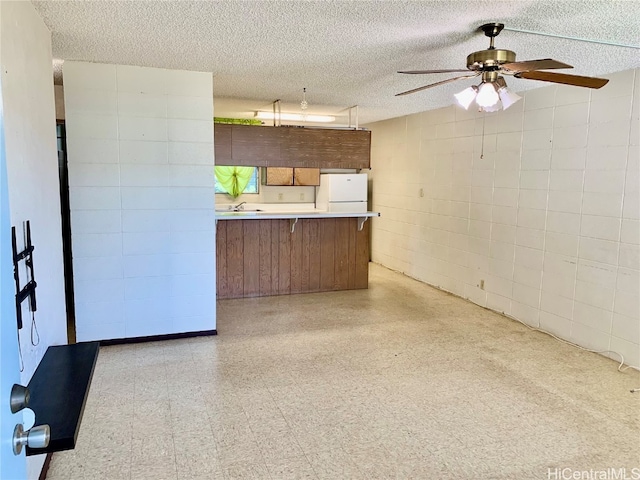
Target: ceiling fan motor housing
x: 489, y: 58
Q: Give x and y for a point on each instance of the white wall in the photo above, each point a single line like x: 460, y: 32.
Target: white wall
x: 548, y: 217
x: 32, y: 172
x: 140, y: 145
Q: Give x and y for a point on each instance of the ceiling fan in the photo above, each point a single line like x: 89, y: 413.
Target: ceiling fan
x: 492, y: 63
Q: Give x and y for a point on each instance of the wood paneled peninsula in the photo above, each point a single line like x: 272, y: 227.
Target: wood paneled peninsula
x: 271, y: 253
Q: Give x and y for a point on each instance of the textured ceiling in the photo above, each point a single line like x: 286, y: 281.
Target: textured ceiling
x: 344, y: 52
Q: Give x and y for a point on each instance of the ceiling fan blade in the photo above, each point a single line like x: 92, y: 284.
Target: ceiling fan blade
x: 436, y: 84
x: 576, y: 80
x: 529, y: 65
x: 422, y: 72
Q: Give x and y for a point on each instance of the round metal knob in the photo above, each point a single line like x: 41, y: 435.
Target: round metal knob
x: 37, y: 437
x: 19, y: 398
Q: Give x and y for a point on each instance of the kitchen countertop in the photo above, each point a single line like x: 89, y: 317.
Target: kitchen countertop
x: 265, y: 215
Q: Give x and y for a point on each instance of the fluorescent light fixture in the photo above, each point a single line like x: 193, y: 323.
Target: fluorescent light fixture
x: 487, y: 95
x: 466, y: 96
x: 295, y: 117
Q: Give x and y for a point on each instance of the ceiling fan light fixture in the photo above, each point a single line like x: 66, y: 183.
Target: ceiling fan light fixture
x: 487, y: 95
x: 466, y: 96
x: 507, y: 97
x: 491, y: 108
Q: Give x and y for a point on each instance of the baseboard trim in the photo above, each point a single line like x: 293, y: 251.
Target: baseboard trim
x: 45, y: 466
x: 157, y: 338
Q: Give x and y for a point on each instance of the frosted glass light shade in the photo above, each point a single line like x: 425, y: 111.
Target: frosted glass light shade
x: 508, y: 97
x: 466, y: 96
x: 487, y: 95
x: 491, y: 108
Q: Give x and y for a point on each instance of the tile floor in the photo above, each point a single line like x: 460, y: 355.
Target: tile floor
x: 401, y: 381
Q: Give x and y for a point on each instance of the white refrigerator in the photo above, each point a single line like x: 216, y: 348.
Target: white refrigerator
x: 342, y: 192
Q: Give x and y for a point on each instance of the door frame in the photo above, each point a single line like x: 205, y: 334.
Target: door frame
x: 65, y: 214
x: 11, y: 466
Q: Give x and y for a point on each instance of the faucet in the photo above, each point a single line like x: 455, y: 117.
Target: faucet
x: 237, y: 208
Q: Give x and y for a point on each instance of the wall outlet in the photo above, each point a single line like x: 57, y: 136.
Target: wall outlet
x: 280, y: 196
x: 302, y: 196
x: 481, y: 285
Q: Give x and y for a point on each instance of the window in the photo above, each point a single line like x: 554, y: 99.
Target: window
x: 252, y: 186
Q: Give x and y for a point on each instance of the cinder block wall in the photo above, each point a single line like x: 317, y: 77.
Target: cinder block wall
x: 140, y: 149
x: 533, y: 211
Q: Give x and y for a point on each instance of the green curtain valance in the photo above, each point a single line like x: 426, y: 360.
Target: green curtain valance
x: 237, y: 121
x: 233, y: 179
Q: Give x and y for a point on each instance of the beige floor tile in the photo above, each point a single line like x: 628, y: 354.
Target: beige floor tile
x: 270, y: 426
x: 55, y: 476
x: 277, y: 446
x: 223, y: 408
x: 198, y: 461
x: 294, y: 468
x: 247, y: 471
x: 322, y: 437
x: 109, y: 469
x: 216, y: 475
x: 150, y: 444
x: 65, y: 465
x: 154, y: 468
x: 421, y: 468
x: 229, y: 433
x: 247, y: 452
x: 186, y: 418
x: 332, y: 464
x: 375, y: 462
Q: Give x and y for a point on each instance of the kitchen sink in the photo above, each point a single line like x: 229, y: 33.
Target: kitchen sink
x: 238, y: 213
x: 226, y: 210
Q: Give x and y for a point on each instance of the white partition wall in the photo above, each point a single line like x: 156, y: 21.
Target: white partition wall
x: 140, y: 152
x: 533, y: 211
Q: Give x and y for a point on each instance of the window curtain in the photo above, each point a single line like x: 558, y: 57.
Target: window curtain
x: 237, y: 121
x: 234, y: 179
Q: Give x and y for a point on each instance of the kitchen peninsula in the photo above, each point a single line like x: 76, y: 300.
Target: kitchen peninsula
x: 262, y: 251
x: 281, y: 253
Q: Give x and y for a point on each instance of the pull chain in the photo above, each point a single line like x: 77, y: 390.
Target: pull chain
x: 484, y: 117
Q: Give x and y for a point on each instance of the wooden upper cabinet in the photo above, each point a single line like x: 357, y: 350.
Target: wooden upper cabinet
x: 291, y: 176
x: 256, y: 146
x: 311, y: 148
x: 306, y: 176
x: 327, y: 148
x: 279, y: 176
x: 262, y: 146
x: 355, y: 149
x: 222, y: 144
